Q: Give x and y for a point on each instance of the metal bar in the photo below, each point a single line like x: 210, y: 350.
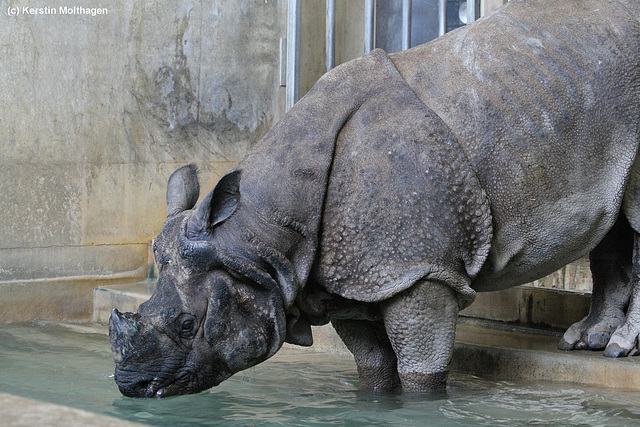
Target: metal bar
x: 406, y: 24
x: 369, y: 25
x: 442, y: 17
x: 472, y: 11
x: 293, y: 52
x: 330, y: 35
x: 283, y: 62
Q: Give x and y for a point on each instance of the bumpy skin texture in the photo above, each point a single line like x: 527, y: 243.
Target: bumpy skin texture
x: 547, y: 114
x: 374, y: 213
x: 396, y: 189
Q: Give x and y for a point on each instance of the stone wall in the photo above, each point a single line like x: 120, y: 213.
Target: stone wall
x: 97, y: 110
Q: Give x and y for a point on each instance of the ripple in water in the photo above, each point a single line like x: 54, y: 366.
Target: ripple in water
x: 74, y: 367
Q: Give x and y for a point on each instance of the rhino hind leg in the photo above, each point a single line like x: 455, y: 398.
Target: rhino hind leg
x: 370, y: 346
x: 610, y: 264
x: 421, y: 324
x: 624, y: 341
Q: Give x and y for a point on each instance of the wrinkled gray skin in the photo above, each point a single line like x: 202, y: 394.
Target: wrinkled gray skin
x: 394, y: 191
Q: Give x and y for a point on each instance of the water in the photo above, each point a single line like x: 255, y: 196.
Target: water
x: 72, y: 366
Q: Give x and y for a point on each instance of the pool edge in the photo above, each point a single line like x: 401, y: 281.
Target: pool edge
x: 20, y: 411
x: 484, y: 347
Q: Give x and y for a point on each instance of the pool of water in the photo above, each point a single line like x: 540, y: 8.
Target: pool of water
x: 71, y: 365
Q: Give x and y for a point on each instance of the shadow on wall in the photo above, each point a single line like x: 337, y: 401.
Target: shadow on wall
x: 102, y: 109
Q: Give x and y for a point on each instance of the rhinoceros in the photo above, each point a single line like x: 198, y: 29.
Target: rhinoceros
x: 396, y: 189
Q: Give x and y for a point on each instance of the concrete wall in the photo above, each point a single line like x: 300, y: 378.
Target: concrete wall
x: 96, y: 111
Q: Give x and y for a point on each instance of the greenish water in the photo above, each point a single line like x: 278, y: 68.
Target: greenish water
x: 72, y: 366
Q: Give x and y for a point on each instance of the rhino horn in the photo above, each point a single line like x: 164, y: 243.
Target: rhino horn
x: 183, y: 190
x: 122, y: 327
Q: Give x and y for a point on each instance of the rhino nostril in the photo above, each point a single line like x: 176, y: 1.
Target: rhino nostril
x: 143, y: 389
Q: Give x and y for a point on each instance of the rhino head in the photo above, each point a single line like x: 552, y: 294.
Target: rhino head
x: 215, y: 311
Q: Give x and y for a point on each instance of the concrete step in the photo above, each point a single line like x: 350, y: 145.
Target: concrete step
x: 485, y: 348
x: 497, y: 350
x: 124, y: 297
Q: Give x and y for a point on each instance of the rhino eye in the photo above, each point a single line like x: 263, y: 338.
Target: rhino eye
x: 187, y: 325
x: 162, y: 259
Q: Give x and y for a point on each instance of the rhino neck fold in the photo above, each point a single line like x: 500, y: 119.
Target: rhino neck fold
x: 284, y: 178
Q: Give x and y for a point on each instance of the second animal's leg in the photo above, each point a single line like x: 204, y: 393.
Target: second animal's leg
x: 624, y: 342
x: 610, y: 264
x: 375, y: 359
x: 421, y: 323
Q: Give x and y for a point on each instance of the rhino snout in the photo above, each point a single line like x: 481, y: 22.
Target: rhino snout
x: 141, y: 388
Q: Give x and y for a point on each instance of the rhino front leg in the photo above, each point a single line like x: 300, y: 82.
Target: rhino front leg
x: 624, y: 342
x: 610, y: 264
x: 421, y: 324
x: 370, y: 346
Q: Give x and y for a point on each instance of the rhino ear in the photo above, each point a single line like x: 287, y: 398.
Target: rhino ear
x: 225, y: 198
x: 183, y: 190
x: 217, y: 206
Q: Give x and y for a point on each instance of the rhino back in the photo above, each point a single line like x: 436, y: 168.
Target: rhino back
x: 543, y: 96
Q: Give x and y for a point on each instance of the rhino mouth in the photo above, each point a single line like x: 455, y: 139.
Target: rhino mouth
x: 152, y: 387
x: 155, y: 387
x: 171, y: 389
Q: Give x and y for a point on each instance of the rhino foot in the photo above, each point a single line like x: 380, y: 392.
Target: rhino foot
x: 421, y: 324
x: 590, y: 334
x: 624, y: 342
x: 612, y: 265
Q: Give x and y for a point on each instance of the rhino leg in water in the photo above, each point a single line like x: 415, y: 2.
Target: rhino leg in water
x: 372, y: 351
x: 421, y: 323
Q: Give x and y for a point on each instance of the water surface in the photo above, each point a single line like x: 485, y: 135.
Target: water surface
x: 71, y: 365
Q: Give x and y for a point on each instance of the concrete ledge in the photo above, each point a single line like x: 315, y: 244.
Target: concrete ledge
x: 59, y: 299
x: 496, y: 350
x: 531, y: 306
x: 485, y: 348
x: 124, y: 297
x: 36, y: 265
x: 56, y: 283
x: 492, y: 349
x: 18, y: 411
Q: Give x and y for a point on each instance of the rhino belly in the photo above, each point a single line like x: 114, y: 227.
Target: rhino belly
x: 529, y: 247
